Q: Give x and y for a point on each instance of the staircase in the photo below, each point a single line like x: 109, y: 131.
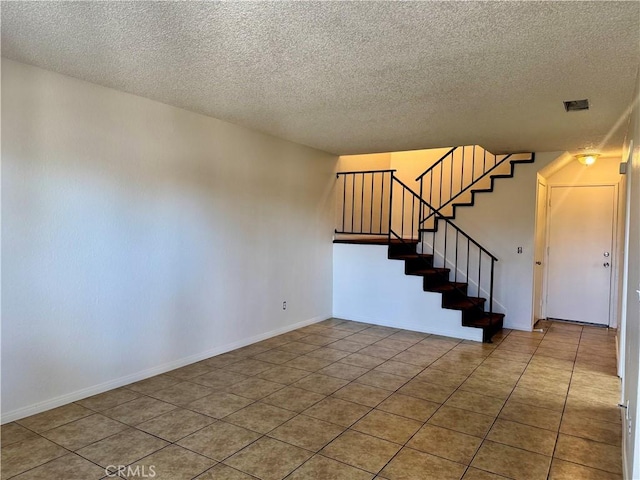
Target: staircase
x: 377, y: 207
x: 455, y: 295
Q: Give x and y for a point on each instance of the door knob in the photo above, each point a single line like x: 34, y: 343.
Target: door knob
x: 606, y: 264
x: 538, y: 263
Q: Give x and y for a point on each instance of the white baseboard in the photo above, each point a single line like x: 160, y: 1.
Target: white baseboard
x: 39, y: 407
x: 468, y: 333
x: 626, y: 474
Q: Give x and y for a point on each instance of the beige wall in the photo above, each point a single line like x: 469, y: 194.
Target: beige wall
x: 605, y: 170
x: 412, y: 163
x: 409, y: 165
x: 373, y: 161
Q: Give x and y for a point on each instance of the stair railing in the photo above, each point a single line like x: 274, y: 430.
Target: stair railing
x: 455, y: 173
x: 364, y: 201
x: 450, y: 247
x: 377, y: 203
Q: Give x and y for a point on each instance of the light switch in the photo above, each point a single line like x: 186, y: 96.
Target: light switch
x: 519, y: 249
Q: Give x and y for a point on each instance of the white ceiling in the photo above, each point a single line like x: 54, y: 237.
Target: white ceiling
x: 356, y: 77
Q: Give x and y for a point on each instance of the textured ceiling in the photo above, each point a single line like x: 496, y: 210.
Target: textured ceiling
x: 356, y: 77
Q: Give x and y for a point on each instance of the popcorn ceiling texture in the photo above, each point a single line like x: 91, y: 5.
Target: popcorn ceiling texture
x: 356, y: 77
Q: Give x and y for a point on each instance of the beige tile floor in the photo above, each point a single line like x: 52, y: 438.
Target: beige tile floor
x: 347, y: 400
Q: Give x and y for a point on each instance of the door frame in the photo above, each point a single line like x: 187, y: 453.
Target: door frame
x: 540, y: 241
x: 615, y: 263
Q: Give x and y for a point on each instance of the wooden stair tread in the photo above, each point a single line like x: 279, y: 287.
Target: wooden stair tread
x: 488, y: 320
x: 374, y: 241
x: 430, y: 271
x: 524, y: 160
x: 411, y: 256
x: 448, y: 287
x: 398, y: 241
x: 502, y: 175
x: 466, y: 303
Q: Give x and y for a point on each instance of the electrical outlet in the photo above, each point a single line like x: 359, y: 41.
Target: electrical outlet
x: 519, y: 249
x: 284, y: 305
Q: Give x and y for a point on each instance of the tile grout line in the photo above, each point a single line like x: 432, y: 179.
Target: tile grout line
x: 502, y: 408
x: 564, y: 406
x: 313, y: 454
x: 349, y: 428
x: 405, y: 444
x: 265, y: 435
x: 563, y: 413
x: 331, y: 395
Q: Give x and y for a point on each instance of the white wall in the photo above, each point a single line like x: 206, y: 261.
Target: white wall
x: 138, y: 237
x: 368, y: 287
x: 630, y: 319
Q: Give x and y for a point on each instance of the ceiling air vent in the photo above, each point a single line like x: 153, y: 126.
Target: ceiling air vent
x: 576, y: 105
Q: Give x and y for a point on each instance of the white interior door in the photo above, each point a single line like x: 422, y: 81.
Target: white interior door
x: 580, y: 255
